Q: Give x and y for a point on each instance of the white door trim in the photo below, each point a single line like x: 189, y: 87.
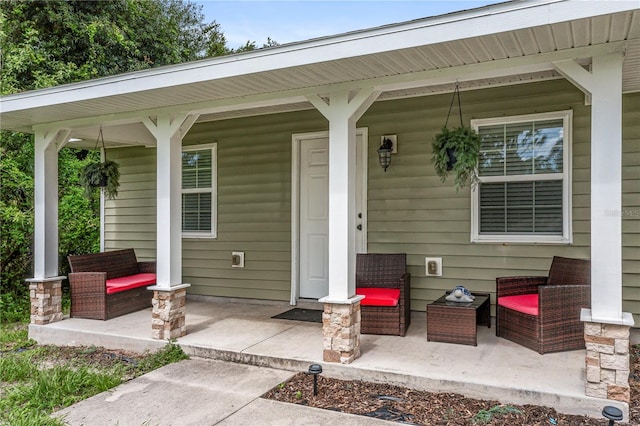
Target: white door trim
x: 296, y: 139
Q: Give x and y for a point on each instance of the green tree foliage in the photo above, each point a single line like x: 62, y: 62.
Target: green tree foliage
x: 251, y: 45
x: 16, y: 206
x: 47, y: 43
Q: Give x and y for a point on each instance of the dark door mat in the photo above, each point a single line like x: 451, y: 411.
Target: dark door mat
x: 298, y: 314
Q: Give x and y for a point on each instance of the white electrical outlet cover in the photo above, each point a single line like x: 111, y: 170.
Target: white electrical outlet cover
x: 430, y: 261
x: 237, y: 259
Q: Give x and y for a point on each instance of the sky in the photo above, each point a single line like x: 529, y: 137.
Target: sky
x: 288, y: 21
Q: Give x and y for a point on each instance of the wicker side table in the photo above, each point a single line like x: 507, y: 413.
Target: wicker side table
x: 453, y: 322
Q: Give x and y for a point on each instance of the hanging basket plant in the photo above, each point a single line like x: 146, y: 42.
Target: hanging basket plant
x: 456, y: 151
x: 105, y: 175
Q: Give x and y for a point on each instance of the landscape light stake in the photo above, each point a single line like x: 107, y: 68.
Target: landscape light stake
x: 314, y: 370
x: 612, y: 413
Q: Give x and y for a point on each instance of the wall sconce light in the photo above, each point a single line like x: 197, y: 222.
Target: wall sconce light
x: 387, y: 146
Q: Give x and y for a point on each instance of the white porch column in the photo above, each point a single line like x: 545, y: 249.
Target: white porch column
x: 606, y: 189
x: 45, y: 288
x: 169, y: 131
x: 606, y: 326
x: 169, y: 307
x: 604, y: 84
x: 46, y: 202
x: 342, y: 111
x: 341, y: 317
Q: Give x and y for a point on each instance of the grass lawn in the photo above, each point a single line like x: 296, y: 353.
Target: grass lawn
x: 36, y: 380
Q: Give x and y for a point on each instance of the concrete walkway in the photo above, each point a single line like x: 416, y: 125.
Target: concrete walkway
x: 201, y: 392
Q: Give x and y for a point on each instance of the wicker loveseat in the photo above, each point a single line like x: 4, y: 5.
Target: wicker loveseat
x: 385, y: 283
x: 543, y: 313
x: 109, y: 284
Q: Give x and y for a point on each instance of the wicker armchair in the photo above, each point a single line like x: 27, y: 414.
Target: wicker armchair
x: 384, y: 271
x: 557, y: 298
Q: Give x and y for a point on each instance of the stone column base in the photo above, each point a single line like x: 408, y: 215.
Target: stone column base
x: 607, y: 361
x: 46, y: 300
x: 341, y: 331
x: 169, y: 312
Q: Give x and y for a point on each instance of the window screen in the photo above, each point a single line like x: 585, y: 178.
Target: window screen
x: 522, y: 177
x: 198, y: 191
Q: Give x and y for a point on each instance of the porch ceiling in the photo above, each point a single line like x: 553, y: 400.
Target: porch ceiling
x: 278, y: 79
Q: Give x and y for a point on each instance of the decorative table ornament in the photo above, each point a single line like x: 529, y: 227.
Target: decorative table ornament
x: 460, y: 294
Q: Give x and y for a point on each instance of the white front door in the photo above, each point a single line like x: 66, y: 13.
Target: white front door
x: 314, y: 213
x: 314, y: 218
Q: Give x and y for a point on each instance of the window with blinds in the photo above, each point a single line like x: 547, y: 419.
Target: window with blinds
x: 198, y: 191
x: 523, y: 190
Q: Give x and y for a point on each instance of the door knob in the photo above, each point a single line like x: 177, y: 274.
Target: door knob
x: 359, y: 227
x: 359, y: 215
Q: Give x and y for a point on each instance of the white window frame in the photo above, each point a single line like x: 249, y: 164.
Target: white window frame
x: 214, y: 191
x: 567, y: 235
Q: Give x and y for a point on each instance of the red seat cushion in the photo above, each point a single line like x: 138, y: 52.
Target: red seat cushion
x: 525, y: 303
x: 379, y: 296
x: 116, y: 285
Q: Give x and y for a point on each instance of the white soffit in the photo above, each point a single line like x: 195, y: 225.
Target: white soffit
x: 404, y: 58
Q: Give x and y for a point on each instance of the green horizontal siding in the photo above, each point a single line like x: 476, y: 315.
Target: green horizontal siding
x: 412, y: 211
x: 409, y: 209
x: 254, y: 207
x: 631, y: 206
x: 130, y: 219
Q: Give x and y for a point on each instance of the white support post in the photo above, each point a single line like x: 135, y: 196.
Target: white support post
x: 45, y: 288
x: 168, y: 231
x: 604, y: 85
x: 46, y: 202
x: 606, y: 189
x: 341, y: 316
x: 342, y: 211
x: 168, y: 314
x: 342, y: 111
x: 169, y: 131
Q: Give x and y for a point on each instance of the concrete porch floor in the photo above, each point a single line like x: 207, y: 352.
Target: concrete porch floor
x: 243, y: 331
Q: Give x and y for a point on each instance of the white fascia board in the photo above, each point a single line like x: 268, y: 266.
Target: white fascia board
x: 467, y: 24
x: 497, y: 68
x: 209, y: 107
